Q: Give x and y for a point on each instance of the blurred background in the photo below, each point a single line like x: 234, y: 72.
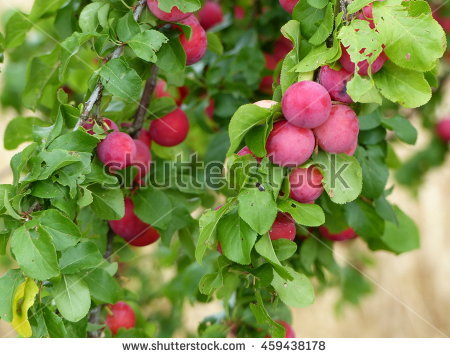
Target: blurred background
x: 411, y: 292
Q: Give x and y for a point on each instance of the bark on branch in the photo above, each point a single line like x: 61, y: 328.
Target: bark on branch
x: 96, y: 94
x: 145, y: 102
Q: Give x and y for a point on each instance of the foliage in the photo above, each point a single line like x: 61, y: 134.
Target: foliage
x: 76, y: 61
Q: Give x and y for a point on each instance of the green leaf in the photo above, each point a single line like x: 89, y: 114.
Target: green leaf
x: 357, y: 5
x: 35, y: 253
x: 291, y: 31
x: 127, y: 27
x: 88, y: 20
x: 408, y: 88
x: 318, y: 4
x: 311, y: 20
x: 54, y: 324
x: 363, y: 90
x: 402, y: 127
x: 72, y: 297
x: 342, y: 176
x: 316, y: 57
x: 16, y: 30
x: 284, y: 248
x: 263, y: 317
x: 363, y: 218
x: 44, y: 7
x: 401, y: 237
x: 71, y: 46
x: 121, y: 80
x: 102, y: 286
x: 325, y: 28
x: 81, y: 257
x: 214, y: 43
x: 62, y: 230
x: 245, y: 118
x: 183, y: 5
x: 297, y: 293
x: 171, y: 57
x: 374, y: 169
x: 19, y: 130
x: 308, y: 253
x: 412, y: 41
x: 208, y: 224
x: 236, y: 238
x: 303, y: 214
x: 258, y: 209
x: 357, y: 36
x: 153, y: 207
x: 146, y: 44
x: 8, y: 285
x: 107, y: 204
x: 41, y: 72
x: 265, y: 248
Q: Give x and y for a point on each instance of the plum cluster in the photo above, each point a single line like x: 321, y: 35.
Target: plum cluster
x: 310, y: 119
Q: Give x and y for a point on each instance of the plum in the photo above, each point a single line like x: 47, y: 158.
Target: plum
x: 306, y: 184
x: 132, y: 229
x: 170, y: 130
x: 340, y: 132
x: 288, y: 145
x: 306, y: 104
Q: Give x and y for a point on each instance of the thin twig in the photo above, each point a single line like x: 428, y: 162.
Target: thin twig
x: 343, y: 6
x: 145, y: 102
x: 98, y: 90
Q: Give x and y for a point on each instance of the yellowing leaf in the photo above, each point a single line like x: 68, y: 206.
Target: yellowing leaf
x: 23, y: 300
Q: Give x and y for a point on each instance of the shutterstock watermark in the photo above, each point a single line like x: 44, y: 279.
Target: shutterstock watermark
x: 190, y: 173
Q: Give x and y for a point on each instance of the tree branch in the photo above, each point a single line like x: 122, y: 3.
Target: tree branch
x: 145, y: 102
x: 98, y: 90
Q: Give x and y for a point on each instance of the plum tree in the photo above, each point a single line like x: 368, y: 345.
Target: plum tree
x: 340, y: 132
x: 195, y: 46
x: 306, y: 184
x: 132, y: 229
x: 142, y: 160
x: 306, y: 104
x: 117, y: 150
x: 174, y: 15
x: 210, y: 15
x: 107, y: 125
x: 288, y: 145
x: 335, y: 82
x: 170, y: 130
x: 121, y: 315
x: 443, y: 129
x: 344, y: 235
x: 288, y: 5
x: 283, y: 227
x: 363, y: 66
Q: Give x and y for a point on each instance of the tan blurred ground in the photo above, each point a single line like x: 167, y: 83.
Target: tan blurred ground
x: 412, y: 297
